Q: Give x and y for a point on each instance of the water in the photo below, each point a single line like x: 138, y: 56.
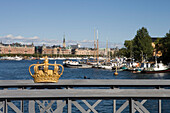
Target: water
x: 18, y: 70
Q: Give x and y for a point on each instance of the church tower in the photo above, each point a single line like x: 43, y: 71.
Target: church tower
x: 64, y: 42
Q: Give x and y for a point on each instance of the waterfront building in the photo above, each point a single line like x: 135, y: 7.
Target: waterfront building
x: 55, y: 50
x: 84, y: 51
x: 75, y: 46
x: 16, y: 48
x: 92, y: 51
x: 155, y: 52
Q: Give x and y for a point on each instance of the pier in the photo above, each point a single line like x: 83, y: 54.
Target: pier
x: 26, y: 96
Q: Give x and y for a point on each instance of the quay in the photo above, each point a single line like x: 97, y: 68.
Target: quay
x: 26, y: 96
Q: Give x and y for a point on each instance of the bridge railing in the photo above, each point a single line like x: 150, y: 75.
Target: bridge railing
x: 83, y: 96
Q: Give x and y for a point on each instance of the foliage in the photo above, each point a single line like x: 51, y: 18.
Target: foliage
x: 128, y: 50
x: 122, y: 52
x: 164, y: 47
x: 142, y: 44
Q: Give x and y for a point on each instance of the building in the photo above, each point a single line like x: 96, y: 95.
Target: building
x: 16, y: 48
x: 55, y: 50
x: 155, y: 52
x: 75, y: 46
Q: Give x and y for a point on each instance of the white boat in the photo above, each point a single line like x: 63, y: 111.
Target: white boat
x: 11, y: 58
x: 73, y: 64
x: 157, y: 68
x: 17, y: 58
x: 85, y: 66
x: 60, y: 58
x: 107, y: 67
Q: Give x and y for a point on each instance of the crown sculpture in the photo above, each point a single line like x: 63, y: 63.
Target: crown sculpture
x: 43, y: 74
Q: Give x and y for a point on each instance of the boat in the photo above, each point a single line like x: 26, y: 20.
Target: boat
x: 97, y: 65
x: 17, y: 58
x: 85, y: 66
x: 60, y: 58
x: 108, y: 66
x: 157, y: 68
x: 11, y: 58
x: 71, y: 64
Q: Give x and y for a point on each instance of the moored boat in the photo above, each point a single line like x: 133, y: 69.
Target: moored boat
x: 157, y: 68
x: 71, y: 64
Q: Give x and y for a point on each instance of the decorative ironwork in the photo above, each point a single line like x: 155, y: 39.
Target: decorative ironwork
x: 48, y: 99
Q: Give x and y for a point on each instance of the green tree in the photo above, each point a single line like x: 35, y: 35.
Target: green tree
x: 142, y: 44
x: 128, y: 45
x: 122, y: 52
x: 164, y: 47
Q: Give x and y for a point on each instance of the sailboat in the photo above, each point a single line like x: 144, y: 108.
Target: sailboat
x: 107, y: 64
x: 97, y: 64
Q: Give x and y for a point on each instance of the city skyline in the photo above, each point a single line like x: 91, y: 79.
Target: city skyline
x: 47, y: 21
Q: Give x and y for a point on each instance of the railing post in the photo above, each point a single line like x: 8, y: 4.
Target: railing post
x: 6, y: 106
x: 69, y: 105
x: 159, y: 103
x: 131, y: 105
x: 114, y: 101
x: 22, y: 103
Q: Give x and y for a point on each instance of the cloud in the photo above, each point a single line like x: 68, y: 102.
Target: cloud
x: 10, y: 36
x: 49, y: 42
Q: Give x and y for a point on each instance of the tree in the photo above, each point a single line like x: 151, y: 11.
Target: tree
x: 128, y: 45
x: 164, y: 47
x: 122, y: 52
x: 142, y: 44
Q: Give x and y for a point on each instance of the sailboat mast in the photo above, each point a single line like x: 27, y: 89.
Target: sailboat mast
x: 107, y: 50
x: 94, y: 46
x: 97, y: 48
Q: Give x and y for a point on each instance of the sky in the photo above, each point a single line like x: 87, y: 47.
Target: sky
x: 46, y: 21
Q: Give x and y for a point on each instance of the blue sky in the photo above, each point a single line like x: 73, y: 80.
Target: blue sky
x: 46, y: 21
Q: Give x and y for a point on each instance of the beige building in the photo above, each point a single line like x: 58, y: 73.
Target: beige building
x: 55, y: 50
x: 158, y: 53
x: 90, y: 51
x: 16, y: 48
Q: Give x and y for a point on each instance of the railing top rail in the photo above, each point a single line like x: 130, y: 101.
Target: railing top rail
x: 84, y: 93
x: 89, y: 83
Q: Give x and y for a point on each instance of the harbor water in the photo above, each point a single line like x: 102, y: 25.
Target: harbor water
x: 18, y: 70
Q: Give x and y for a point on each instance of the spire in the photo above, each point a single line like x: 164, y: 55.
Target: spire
x: 32, y: 44
x: 64, y: 41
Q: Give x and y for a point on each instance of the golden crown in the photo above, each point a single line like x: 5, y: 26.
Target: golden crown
x: 43, y: 74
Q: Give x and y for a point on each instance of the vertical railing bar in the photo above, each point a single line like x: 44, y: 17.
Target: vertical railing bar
x: 6, y: 106
x: 159, y: 102
x: 22, y: 103
x: 69, y: 103
x: 114, y: 101
x: 160, y: 106
x: 114, y: 106
x: 131, y: 105
x: 3, y: 106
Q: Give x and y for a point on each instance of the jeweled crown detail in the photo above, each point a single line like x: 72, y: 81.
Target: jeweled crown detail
x: 43, y: 74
